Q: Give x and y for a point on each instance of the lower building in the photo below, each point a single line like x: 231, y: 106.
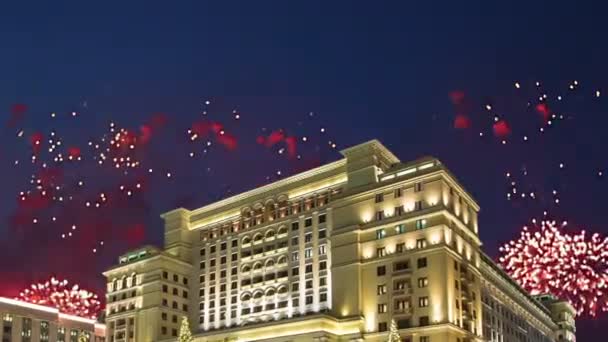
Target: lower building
x: 26, y: 322
x: 347, y: 251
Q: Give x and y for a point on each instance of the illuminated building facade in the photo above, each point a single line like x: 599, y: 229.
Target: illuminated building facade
x: 26, y: 322
x: 332, y: 254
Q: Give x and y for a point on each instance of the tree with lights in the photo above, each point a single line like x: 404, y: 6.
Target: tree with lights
x: 184, y: 331
x: 83, y: 337
x: 393, y: 333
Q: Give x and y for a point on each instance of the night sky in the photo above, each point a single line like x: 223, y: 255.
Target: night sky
x: 384, y: 72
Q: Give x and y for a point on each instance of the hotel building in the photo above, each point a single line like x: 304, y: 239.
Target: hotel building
x: 335, y: 253
x: 26, y: 322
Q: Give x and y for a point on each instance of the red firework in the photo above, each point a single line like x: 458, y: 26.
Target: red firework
x: 68, y: 299
x: 573, y: 267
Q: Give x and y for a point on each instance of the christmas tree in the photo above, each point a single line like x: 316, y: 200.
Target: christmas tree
x: 184, y: 331
x: 393, y: 333
x: 83, y: 337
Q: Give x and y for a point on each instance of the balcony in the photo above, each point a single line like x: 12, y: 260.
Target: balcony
x: 403, y: 311
x: 406, y: 291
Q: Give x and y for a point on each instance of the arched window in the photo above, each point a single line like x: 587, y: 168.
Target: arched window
x: 270, y: 292
x: 133, y: 279
x: 269, y: 263
x: 270, y: 234
x: 282, y: 230
x: 257, y: 266
x: 246, y: 240
x: 257, y: 237
x: 282, y: 260
x: 124, y: 282
x: 282, y: 289
x: 114, y: 284
x: 245, y: 297
x: 257, y: 295
x: 245, y: 268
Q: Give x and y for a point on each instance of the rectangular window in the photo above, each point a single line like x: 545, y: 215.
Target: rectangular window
x: 456, y: 284
x: 418, y: 187
x: 322, y: 281
x: 308, y: 284
x: 423, y: 321
x: 295, y: 287
x: 381, y: 289
x: 423, y: 282
x: 421, y: 243
x: 322, y: 218
x: 322, y: 265
x: 398, y: 192
x: 295, y: 256
x: 322, y: 250
x: 420, y: 224
x: 202, y: 265
x: 295, y: 271
x: 294, y: 241
x: 421, y: 262
x: 380, y: 252
x: 223, y: 246
x: 212, y: 249
x: 382, y: 308
x: 382, y: 326
x: 323, y: 297
x: 203, y: 251
x: 399, y: 210
x: 308, y: 222
x: 223, y: 260
x: 381, y: 270
x: 308, y: 300
x: 308, y: 237
x: 379, y: 198
x: 425, y: 338
x: 309, y: 268
x: 308, y: 253
x: 322, y: 234
x: 380, y: 215
x: 295, y: 226
x: 380, y: 233
x: 423, y: 302
x: 400, y: 228
x: 235, y: 243
x: 400, y: 248
x: 418, y: 205
x: 212, y: 263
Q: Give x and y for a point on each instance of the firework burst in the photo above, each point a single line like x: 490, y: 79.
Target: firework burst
x: 68, y: 299
x: 574, y: 267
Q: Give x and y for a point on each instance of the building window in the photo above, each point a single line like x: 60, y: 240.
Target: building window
x: 223, y: 246
x: 398, y: 192
x: 175, y: 278
x: 174, y: 332
x: 323, y: 297
x: 381, y: 270
x: 309, y: 284
x: 322, y: 234
x: 379, y: 198
x: 295, y: 256
x: 380, y: 215
x: 399, y: 210
x: 380, y: 233
x: 212, y: 249
x: 308, y: 253
x: 165, y: 275
x: 423, y: 321
x: 308, y: 300
x: 295, y: 271
x: 382, y: 308
x: 400, y: 247
x: 380, y: 252
x: 295, y: 287
x: 295, y: 226
x: 420, y: 224
x: 425, y: 339
x: 322, y: 218
x: 308, y: 222
x: 308, y: 237
x: 423, y: 302
x: 381, y: 289
x: 322, y: 250
x: 163, y: 315
x: 418, y: 187
x: 322, y: 265
x: 423, y: 282
x: 456, y: 284
x: 309, y: 268
x: 382, y: 326
x: 235, y: 243
x: 165, y: 288
x: 421, y: 243
x: 400, y: 228
x: 322, y: 281
x: 422, y: 263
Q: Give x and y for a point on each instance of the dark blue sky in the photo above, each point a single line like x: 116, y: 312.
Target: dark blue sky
x: 368, y: 70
